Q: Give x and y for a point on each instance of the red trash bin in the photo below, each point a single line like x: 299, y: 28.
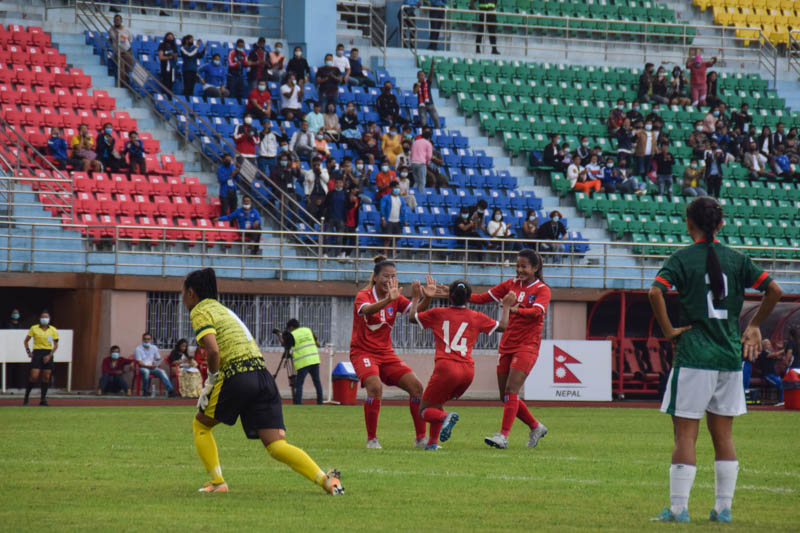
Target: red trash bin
x: 344, y: 390
x: 791, y: 389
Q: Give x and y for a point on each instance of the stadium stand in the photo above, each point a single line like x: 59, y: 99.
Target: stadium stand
x: 775, y: 18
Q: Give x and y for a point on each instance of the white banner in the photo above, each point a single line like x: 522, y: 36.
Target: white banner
x: 571, y: 371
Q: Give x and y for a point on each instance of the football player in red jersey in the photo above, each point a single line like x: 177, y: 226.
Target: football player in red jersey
x: 519, y: 346
x: 455, y: 330
x: 371, y: 351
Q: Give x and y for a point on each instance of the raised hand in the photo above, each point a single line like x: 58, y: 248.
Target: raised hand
x: 430, y: 289
x: 509, y: 299
x: 442, y: 291
x: 395, y: 291
x: 416, y: 290
x: 751, y: 341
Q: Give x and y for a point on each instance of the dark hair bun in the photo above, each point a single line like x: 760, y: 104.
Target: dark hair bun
x: 379, y: 259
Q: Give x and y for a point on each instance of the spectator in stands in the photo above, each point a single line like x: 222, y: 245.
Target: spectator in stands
x: 721, y: 137
x: 710, y: 120
x: 149, y: 358
x: 404, y: 183
x: 699, y: 84
x: 134, y: 148
x: 191, y: 52
x: 315, y: 119
x: 83, y: 151
x: 714, y: 163
x: 330, y: 124
x: 529, y: 226
x: 347, y: 173
x: 247, y: 218
x: 268, y: 150
x: 383, y: 181
x: 302, y: 143
x: 351, y: 219
x: 779, y: 137
x: 246, y: 139
x: 259, y: 103
x: 583, y: 152
x: 487, y: 21
x: 258, y: 61
x: 106, y: 154
x: 212, y: 77
x: 616, y: 117
x: 361, y: 180
x: 757, y: 163
x: 498, y: 230
x: 425, y: 105
x: 635, y: 114
x: 168, y: 57
x: 328, y: 79
x: 358, y: 72
x: 783, y: 166
x: 335, y: 210
x: 764, y: 142
x: 403, y: 159
x: 790, y: 349
x: 467, y: 224
x: 766, y: 363
x: 391, y: 144
x: 712, y: 99
x: 698, y: 139
x: 298, y: 66
x: 436, y: 18
x: 677, y: 89
x: 393, y: 215
x: 14, y: 321
x: 742, y: 119
x: 388, y: 107
x: 237, y: 71
x: 645, y: 83
x: 341, y: 62
x: 334, y: 173
x: 421, y: 154
x: 316, y: 187
x: 285, y: 176
x: 434, y: 177
x: 654, y: 115
x: 321, y: 149
x: 625, y: 139
x: 57, y: 149
x: 645, y: 148
x: 349, y: 122
x: 664, y: 161
x: 477, y: 214
x: 113, y: 366
x: 593, y: 169
x: 228, y: 178
x: 277, y: 63
x: 692, y: 177
x: 121, y: 39
x: 292, y: 97
x: 660, y: 87
x: 619, y: 178
x: 184, y: 368
x: 583, y: 183
x: 612, y: 177
x: 550, y: 153
x: 369, y: 148
x: 552, y: 230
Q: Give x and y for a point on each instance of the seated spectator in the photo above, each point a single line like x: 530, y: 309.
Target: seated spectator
x: 742, y: 119
x: 664, y: 161
x: 634, y: 114
x: 321, y: 149
x: 405, y: 187
x: 552, y: 230
x: 783, y: 166
x: 391, y: 144
x: 573, y: 170
x: 237, y: 71
x: 315, y: 119
x: 388, y: 107
x: 619, y: 179
x: 645, y: 88
x: 134, y: 148
x: 660, y: 87
x: 247, y: 218
x: 112, y: 381
x: 331, y: 127
x: 328, y: 79
x: 228, y: 177
x: 111, y: 159
x: 586, y: 185
x: 711, y: 90
x: 477, y: 214
x: 179, y: 352
x: 186, y: 370
x: 302, y: 143
x: 710, y: 120
x: 57, y: 149
x: 529, y: 226
x: 315, y: 182
x: 714, y: 163
x: 698, y: 139
x: 285, y: 176
x: 790, y: 349
x: 212, y: 77
x: 268, y: 149
x: 677, y: 91
x: 645, y: 148
x: 393, y: 215
x: 349, y: 122
x: 654, y: 114
x: 497, y: 230
x: 369, y: 148
x: 14, y: 321
x: 298, y: 66
x: 258, y: 61
x: 168, y: 57
x: 593, y: 168
x: 292, y: 99
x: 616, y: 117
x: 757, y: 163
x: 467, y: 225
x: 259, y: 103
x: 83, y: 151
x: 277, y: 63
x: 384, y: 180
x: 779, y: 137
x: 149, y: 358
x: 766, y: 363
x: 191, y: 52
x: 434, y: 176
x: 358, y: 71
x: 764, y: 142
x: 550, y: 154
x: 720, y: 136
x: 351, y: 219
x: 341, y: 62
x: 692, y: 177
x: 335, y: 210
x: 246, y: 139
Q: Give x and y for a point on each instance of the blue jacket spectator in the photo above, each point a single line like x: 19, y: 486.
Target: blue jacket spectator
x: 191, y: 53
x: 245, y: 218
x: 386, y: 207
x: 213, y: 75
x: 228, y: 176
x: 57, y: 147
x: 135, y: 150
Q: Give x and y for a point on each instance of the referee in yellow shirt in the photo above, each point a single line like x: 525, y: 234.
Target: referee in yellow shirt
x: 45, y: 343
x: 238, y: 385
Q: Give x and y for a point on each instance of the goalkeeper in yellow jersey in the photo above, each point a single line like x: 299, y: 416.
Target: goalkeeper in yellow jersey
x: 238, y: 384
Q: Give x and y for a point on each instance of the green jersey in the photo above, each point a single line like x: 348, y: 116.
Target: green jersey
x: 714, y: 342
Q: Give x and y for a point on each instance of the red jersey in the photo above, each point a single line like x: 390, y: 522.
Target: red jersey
x: 261, y: 98
x: 524, y: 327
x: 373, y: 333
x: 455, y: 330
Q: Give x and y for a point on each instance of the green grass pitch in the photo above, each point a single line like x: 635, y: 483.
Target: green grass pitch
x: 135, y: 469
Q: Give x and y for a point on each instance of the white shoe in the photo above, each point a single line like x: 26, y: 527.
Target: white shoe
x: 779, y: 404
x: 325, y: 256
x: 498, y: 440
x: 506, y: 263
x: 374, y: 445
x: 420, y: 443
x: 536, y: 433
x: 342, y: 256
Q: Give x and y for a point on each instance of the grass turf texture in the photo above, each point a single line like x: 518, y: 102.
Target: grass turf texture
x: 135, y: 468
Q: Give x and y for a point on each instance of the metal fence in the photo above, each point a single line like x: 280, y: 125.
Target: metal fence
x: 527, y: 35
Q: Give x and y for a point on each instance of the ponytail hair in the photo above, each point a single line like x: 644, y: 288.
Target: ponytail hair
x: 535, y: 260
x: 380, y: 263
x: 203, y: 283
x: 706, y: 214
x: 460, y: 291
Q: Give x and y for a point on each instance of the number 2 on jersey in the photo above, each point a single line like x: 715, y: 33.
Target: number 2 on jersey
x: 458, y: 343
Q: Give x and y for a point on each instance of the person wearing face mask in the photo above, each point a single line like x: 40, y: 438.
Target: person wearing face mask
x: 391, y: 145
x: 625, y: 139
x: 550, y: 153
x: 349, y: 123
x: 645, y: 148
x: 529, y: 227
x: 584, y: 152
x: 227, y: 176
x: 113, y: 366
x: 757, y: 163
x: 715, y: 160
x: 393, y: 215
x: 698, y: 140
x: 383, y: 180
x: 267, y: 150
x: 285, y: 175
x: 634, y: 114
x: 351, y: 219
x: 45, y: 344
x: 328, y: 79
x: 292, y: 97
x: 335, y: 209
x: 358, y: 71
x: 361, y: 178
x: 298, y: 66
x: 421, y: 155
x: 677, y: 88
x: 277, y: 63
x: 83, y: 150
x: 497, y: 230
x: 330, y: 124
x: 664, y: 162
x: 247, y: 218
x: 387, y: 106
x: 692, y: 177
x: 121, y: 39
x: 237, y: 71
x: 57, y: 148
x: 315, y: 184
x: 645, y: 88
x: 710, y: 120
x: 148, y: 360
x: 14, y: 321
x: 106, y: 154
x: 425, y: 105
x: 321, y: 148
x: 699, y: 86
x: 302, y: 142
x: 168, y: 56
x: 212, y: 77
x: 660, y: 87
x: 552, y: 230
x: 246, y: 139
x: 615, y: 117
x: 342, y: 62
x: 259, y: 103
x: 191, y: 52
x: 404, y: 183
x: 467, y: 224
x: 134, y: 148
x: 403, y: 159
x: 258, y: 60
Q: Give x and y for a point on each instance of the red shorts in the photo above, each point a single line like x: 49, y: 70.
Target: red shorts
x: 389, y: 367
x: 522, y: 360
x: 450, y: 379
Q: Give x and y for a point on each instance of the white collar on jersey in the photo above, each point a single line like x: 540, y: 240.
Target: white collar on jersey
x: 517, y: 280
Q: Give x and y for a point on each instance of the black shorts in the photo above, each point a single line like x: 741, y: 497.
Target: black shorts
x: 37, y: 361
x: 252, y: 395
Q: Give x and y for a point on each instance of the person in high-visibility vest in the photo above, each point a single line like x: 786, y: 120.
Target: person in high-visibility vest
x: 487, y: 19
x: 305, y: 357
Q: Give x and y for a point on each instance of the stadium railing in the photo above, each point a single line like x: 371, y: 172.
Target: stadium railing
x: 176, y: 250
x: 362, y: 16
x: 525, y: 34
x: 793, y: 53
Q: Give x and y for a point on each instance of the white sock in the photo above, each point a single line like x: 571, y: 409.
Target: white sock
x: 725, y: 473
x: 681, y: 478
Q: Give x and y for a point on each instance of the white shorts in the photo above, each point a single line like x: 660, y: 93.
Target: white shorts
x: 693, y: 391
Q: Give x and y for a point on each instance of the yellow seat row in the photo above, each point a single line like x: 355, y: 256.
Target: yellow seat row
x: 775, y: 21
x: 762, y: 4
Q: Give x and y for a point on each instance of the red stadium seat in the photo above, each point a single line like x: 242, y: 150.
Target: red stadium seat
x: 121, y: 184
x: 158, y: 186
x: 171, y: 165
x: 103, y: 182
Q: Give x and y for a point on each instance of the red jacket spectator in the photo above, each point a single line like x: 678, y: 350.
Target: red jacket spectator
x: 115, y: 366
x: 237, y: 62
x: 262, y: 98
x: 246, y: 140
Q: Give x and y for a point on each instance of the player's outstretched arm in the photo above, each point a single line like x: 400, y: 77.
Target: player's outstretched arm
x: 659, y: 306
x: 508, y: 302
x: 395, y: 292
x: 428, y: 291
x: 751, y: 338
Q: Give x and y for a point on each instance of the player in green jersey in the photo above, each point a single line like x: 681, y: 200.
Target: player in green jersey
x: 706, y: 375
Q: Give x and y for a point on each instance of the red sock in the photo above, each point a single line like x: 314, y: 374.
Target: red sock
x: 372, y: 408
x: 435, y: 417
x: 510, y: 408
x: 524, y: 414
x: 419, y: 423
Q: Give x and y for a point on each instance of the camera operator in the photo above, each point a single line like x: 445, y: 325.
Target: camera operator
x: 305, y: 357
